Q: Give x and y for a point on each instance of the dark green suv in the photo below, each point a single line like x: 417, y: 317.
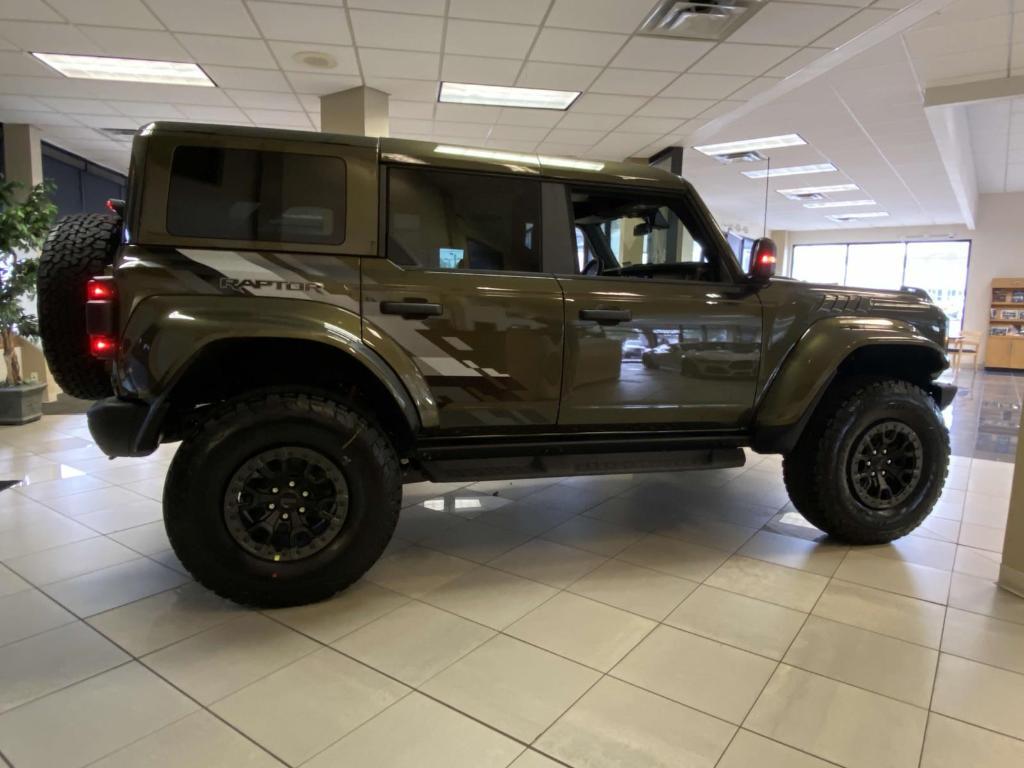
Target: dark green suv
x: 319, y: 319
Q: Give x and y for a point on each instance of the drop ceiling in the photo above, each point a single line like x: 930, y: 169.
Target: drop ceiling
x: 639, y: 93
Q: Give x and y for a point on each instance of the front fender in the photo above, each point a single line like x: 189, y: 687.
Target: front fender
x: 165, y: 333
x: 796, y: 386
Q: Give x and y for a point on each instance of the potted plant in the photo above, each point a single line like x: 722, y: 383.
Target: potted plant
x: 24, y: 223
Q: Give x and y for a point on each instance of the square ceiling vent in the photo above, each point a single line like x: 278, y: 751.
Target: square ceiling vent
x: 699, y: 19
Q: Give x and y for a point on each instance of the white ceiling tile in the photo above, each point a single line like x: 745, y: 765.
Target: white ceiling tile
x: 26, y: 10
x: 173, y: 94
x: 622, y: 145
x: 417, y: 110
x: 632, y: 82
x: 212, y: 17
x: 109, y: 121
x: 265, y: 100
x: 213, y: 114
x: 289, y: 59
x: 404, y: 88
x: 791, y: 23
x: 568, y: 77
x: 741, y: 59
x: 574, y: 47
x: 35, y: 118
x: 308, y: 83
x: 755, y: 88
x: 279, y: 118
x: 483, y: 38
x: 797, y: 61
x: 467, y: 113
x: 519, y: 11
x: 855, y: 26
x: 26, y: 103
x: 520, y: 132
x: 659, y: 53
x: 602, y: 104
x: 510, y: 145
x: 643, y: 124
x: 588, y: 122
x: 48, y: 38
x: 397, y: 30
x: 662, y: 106
x: 573, y: 136
x: 20, y: 63
x: 307, y: 23
x: 49, y: 86
x: 434, y: 7
x: 461, y: 130
x: 117, y: 13
x: 76, y: 131
x: 558, y: 148
x: 602, y: 15
x: 479, y: 69
x: 536, y: 117
x: 248, y: 78
x: 231, y: 51
x: 148, y: 110
x: 398, y: 126
x: 705, y: 86
x: 1015, y: 177
x: 137, y: 43
x: 83, y: 106
x: 412, y: 65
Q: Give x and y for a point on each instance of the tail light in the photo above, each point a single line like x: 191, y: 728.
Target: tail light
x: 101, y: 295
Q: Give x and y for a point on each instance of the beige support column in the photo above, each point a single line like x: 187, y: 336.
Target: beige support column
x: 358, y: 111
x: 1011, y: 572
x: 23, y: 155
x: 23, y: 162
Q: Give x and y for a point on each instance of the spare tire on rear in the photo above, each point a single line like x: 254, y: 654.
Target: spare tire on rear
x: 77, y: 249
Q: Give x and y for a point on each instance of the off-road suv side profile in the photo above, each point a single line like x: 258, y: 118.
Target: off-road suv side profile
x: 320, y: 318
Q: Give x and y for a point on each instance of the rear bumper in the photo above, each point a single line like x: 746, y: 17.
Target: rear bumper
x: 943, y: 393
x: 126, y: 427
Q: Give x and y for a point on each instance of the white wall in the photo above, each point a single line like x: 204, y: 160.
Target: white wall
x: 997, y: 248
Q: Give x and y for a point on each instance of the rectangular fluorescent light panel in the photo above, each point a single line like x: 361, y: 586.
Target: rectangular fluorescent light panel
x: 793, y: 170
x: 819, y: 190
x: 546, y: 161
x: 841, y: 217
x: 505, y: 96
x: 840, y: 204
x: 129, y: 70
x: 752, y: 145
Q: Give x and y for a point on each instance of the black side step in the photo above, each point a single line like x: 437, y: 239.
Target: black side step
x: 570, y: 464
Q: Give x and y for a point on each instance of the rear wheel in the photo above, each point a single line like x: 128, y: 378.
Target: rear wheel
x: 282, y: 498
x: 872, y: 464
x: 78, y: 248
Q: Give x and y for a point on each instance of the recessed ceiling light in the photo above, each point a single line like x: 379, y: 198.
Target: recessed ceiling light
x: 130, y: 70
x: 818, y: 190
x: 841, y: 217
x: 840, y: 204
x: 547, y: 161
x: 752, y: 145
x: 793, y: 170
x: 315, y: 59
x: 505, y: 96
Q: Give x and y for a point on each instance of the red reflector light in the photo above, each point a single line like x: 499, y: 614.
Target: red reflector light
x: 100, y: 290
x: 102, y: 346
x: 766, y: 258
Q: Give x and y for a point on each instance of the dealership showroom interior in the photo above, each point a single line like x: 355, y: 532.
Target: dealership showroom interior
x: 528, y: 383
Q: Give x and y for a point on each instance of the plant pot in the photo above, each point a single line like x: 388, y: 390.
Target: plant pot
x: 21, y: 404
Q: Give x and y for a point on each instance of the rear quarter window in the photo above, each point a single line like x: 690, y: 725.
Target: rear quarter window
x: 258, y: 195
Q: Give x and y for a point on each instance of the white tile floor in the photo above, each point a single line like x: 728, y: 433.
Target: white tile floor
x: 655, y: 620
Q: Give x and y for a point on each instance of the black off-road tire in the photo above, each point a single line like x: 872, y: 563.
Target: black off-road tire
x: 818, y: 472
x: 78, y: 248
x: 197, y: 485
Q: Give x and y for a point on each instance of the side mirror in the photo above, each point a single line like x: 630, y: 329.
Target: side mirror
x: 762, y: 260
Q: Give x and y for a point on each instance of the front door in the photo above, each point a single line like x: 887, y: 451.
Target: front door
x: 461, y: 293
x: 659, y: 329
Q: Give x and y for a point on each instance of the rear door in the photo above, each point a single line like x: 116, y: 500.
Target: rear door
x: 658, y: 329
x: 460, y: 290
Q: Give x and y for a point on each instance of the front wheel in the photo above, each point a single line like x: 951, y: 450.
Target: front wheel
x: 870, y: 468
x: 282, y: 499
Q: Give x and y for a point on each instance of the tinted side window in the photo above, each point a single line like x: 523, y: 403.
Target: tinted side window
x: 246, y: 194
x: 444, y: 220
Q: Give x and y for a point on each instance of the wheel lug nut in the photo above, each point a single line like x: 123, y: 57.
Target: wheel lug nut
x: 273, y: 490
x: 284, y: 516
x: 305, y: 494
x: 270, y: 506
x: 302, y: 509
x: 291, y: 483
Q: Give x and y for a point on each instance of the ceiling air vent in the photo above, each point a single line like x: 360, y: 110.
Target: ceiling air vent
x: 699, y: 19
x: 741, y: 157
x: 806, y: 197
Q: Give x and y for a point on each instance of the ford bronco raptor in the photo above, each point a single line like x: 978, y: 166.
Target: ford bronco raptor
x: 319, y: 319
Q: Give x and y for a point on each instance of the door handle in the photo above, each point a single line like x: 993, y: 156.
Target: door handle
x: 410, y: 309
x: 606, y: 316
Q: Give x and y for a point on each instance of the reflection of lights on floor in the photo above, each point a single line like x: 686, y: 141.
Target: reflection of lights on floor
x: 795, y: 518
x: 46, y: 474
x: 442, y: 504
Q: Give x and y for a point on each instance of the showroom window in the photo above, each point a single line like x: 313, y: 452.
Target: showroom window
x: 938, y: 267
x: 246, y: 194
x: 446, y: 220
